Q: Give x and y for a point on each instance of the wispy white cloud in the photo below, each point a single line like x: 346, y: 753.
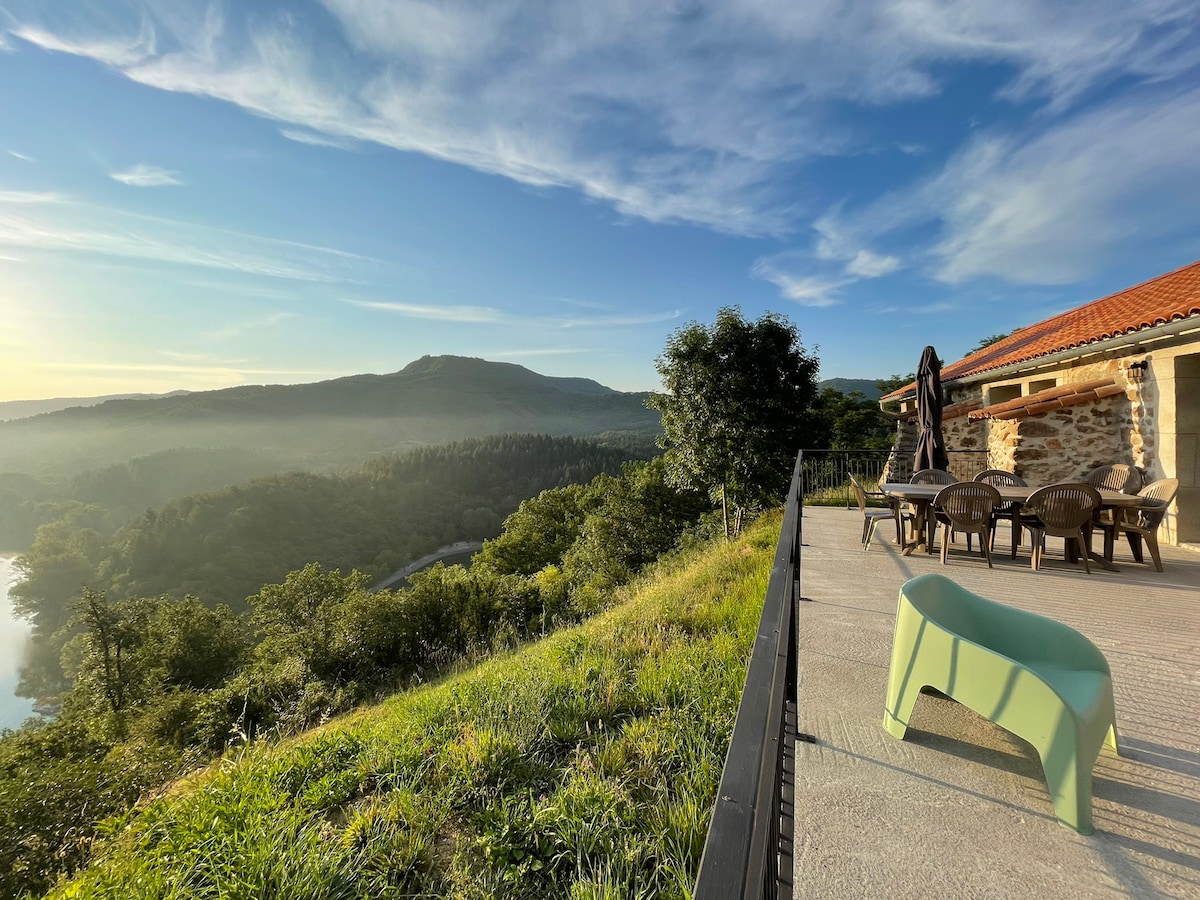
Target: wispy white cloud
x: 474, y: 314
x: 1049, y: 209
x: 224, y: 372
x: 544, y: 351
x: 192, y: 358
x: 112, y: 43
x: 317, y: 140
x: 143, y: 175
x: 21, y: 156
x: 931, y: 309
x: 51, y: 222
x: 1051, y: 205
x: 493, y: 316
x: 32, y: 197
x: 235, y: 330
x: 866, y: 264
x: 581, y: 304
x: 616, y: 320
x: 837, y: 260
x: 807, y: 290
x: 667, y: 112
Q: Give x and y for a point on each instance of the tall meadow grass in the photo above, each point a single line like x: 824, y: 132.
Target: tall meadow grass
x: 581, y: 766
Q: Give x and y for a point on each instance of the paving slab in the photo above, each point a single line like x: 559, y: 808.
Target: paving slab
x: 959, y: 809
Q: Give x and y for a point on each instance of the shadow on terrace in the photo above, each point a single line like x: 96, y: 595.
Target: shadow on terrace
x: 960, y: 808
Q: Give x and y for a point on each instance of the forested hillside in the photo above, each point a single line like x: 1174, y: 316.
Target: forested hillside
x: 222, y: 546
x: 156, y: 683
x: 433, y: 400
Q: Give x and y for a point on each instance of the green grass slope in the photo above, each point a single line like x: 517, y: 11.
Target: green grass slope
x: 582, y: 766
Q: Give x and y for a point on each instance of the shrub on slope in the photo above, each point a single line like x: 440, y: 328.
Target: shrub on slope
x: 584, y: 766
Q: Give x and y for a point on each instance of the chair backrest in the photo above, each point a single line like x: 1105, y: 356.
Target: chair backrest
x: 932, y: 476
x: 1064, y: 506
x: 1117, y: 477
x: 860, y: 493
x: 1000, y: 478
x: 967, y: 504
x: 1156, y: 498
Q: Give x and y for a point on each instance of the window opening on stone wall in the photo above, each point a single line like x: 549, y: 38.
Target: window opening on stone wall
x: 1002, y: 393
x: 1043, y: 385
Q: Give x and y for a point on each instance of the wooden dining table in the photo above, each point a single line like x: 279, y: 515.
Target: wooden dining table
x: 921, y: 497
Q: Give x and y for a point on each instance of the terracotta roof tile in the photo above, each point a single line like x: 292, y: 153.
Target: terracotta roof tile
x: 953, y: 411
x: 1052, y: 398
x: 1175, y: 295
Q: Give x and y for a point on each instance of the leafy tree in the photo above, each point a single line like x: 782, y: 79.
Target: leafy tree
x: 850, y: 422
x: 300, y: 616
x: 639, y: 516
x: 735, y: 408
x: 111, y: 667
x: 988, y: 341
x: 538, y: 534
x: 887, y: 385
x: 895, y: 382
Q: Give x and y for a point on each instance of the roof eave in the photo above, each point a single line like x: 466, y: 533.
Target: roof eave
x: 1048, y: 360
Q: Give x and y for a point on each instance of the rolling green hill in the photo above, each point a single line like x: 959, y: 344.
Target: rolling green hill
x: 868, y: 387
x: 434, y: 400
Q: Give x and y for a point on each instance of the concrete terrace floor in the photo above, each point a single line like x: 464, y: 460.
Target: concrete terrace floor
x: 959, y: 808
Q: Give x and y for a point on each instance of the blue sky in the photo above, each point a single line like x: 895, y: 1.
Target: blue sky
x: 197, y: 195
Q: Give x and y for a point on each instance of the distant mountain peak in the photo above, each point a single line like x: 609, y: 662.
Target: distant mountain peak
x: 433, y: 400
x: 473, y: 367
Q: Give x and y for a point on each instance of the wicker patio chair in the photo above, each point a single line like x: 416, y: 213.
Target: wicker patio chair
x: 967, y: 506
x: 872, y: 516
x: 1009, y: 511
x: 1143, y: 521
x: 932, y: 476
x: 1062, y: 510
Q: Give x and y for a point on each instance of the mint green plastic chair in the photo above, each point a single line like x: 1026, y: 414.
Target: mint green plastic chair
x: 1038, y: 678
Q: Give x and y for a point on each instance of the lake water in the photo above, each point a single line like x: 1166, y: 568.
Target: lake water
x: 14, y: 637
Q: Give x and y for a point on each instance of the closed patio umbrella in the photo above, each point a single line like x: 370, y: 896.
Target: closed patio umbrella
x: 931, y: 447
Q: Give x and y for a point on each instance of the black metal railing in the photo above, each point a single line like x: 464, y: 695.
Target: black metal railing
x: 827, y: 472
x: 747, y: 855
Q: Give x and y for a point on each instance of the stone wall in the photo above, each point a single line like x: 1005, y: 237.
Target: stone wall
x: 1154, y: 425
x: 1064, y: 443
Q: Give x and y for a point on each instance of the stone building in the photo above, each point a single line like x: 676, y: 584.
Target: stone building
x: 1114, y: 381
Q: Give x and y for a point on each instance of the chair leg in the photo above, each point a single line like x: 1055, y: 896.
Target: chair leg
x: 1069, y: 783
x: 870, y: 533
x: 945, y: 542
x: 1135, y: 545
x: 1152, y: 543
x: 1084, y: 547
x: 985, y: 540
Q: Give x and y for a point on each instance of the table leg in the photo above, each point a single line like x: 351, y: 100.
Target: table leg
x: 920, y: 526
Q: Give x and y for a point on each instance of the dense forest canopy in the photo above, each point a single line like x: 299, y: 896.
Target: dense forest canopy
x: 224, y: 545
